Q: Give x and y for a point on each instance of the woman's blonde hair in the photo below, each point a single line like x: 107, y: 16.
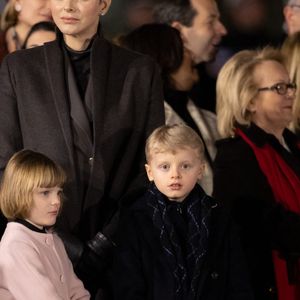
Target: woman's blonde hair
x: 236, y: 87
x: 171, y: 137
x: 9, y: 16
x: 291, y: 52
x: 26, y: 171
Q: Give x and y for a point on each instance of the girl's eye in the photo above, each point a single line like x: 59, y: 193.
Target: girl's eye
x: 45, y: 193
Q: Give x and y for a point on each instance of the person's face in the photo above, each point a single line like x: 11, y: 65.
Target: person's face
x: 187, y: 75
x: 46, y: 205
x: 271, y: 111
x: 34, y: 11
x: 78, y: 18
x: 175, y: 173
x: 292, y: 17
x: 204, y: 35
x: 38, y: 38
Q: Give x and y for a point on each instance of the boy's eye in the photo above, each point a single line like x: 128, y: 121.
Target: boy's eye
x: 185, y: 166
x: 164, y: 167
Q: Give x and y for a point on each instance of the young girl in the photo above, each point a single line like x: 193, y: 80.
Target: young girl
x: 33, y: 261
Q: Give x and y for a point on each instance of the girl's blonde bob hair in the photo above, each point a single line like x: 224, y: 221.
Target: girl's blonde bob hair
x: 236, y: 87
x: 291, y: 52
x: 26, y: 171
x: 168, y: 138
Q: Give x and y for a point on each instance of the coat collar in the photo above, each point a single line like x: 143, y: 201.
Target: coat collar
x: 260, y: 138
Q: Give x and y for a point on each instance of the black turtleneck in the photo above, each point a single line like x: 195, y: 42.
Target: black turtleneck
x: 80, y: 61
x: 30, y: 226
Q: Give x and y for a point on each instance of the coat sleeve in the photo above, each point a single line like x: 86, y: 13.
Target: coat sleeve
x: 10, y: 131
x: 128, y: 279
x: 24, y: 276
x: 156, y: 106
x: 76, y: 288
x: 239, y: 287
x: 148, y: 86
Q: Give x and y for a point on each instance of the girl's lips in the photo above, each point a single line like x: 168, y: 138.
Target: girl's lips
x: 53, y: 212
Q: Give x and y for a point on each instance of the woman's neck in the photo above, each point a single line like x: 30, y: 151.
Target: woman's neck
x: 77, y: 43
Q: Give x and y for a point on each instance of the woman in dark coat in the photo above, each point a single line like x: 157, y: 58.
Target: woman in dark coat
x: 257, y: 168
x: 88, y: 105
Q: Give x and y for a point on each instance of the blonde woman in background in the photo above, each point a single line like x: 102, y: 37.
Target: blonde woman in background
x: 257, y: 168
x: 291, y: 52
x: 17, y: 18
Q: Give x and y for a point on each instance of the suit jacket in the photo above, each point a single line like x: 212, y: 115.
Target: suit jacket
x: 141, y: 266
x: 35, y: 265
x: 35, y: 114
x: 264, y: 224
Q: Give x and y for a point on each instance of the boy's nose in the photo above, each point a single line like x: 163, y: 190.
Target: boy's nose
x: 175, y: 173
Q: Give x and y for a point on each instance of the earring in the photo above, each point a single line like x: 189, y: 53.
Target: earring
x: 102, y: 13
x: 18, y: 7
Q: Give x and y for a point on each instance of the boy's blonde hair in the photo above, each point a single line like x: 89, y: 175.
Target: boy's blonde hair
x: 26, y: 171
x: 172, y: 137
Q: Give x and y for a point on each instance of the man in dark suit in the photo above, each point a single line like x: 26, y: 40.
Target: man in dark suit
x: 89, y: 106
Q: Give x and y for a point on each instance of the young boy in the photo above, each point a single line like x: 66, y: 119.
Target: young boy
x: 176, y: 242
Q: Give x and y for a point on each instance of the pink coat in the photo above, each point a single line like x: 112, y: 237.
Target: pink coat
x: 35, y: 266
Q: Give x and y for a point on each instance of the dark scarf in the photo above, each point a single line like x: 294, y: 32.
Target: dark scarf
x: 185, y: 255
x: 285, y: 185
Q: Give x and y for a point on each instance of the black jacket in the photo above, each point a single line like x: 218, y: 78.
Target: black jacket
x: 264, y: 224
x: 141, y: 270
x: 35, y: 114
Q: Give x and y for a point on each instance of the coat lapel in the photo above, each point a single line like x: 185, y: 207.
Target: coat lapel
x: 56, y: 74
x: 100, y: 62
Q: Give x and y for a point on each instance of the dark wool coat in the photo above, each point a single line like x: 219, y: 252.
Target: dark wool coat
x: 35, y: 114
x: 142, y: 270
x: 265, y: 225
x: 3, y: 46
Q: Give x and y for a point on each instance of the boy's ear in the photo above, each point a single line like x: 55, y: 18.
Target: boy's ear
x: 149, y: 173
x: 201, y: 171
